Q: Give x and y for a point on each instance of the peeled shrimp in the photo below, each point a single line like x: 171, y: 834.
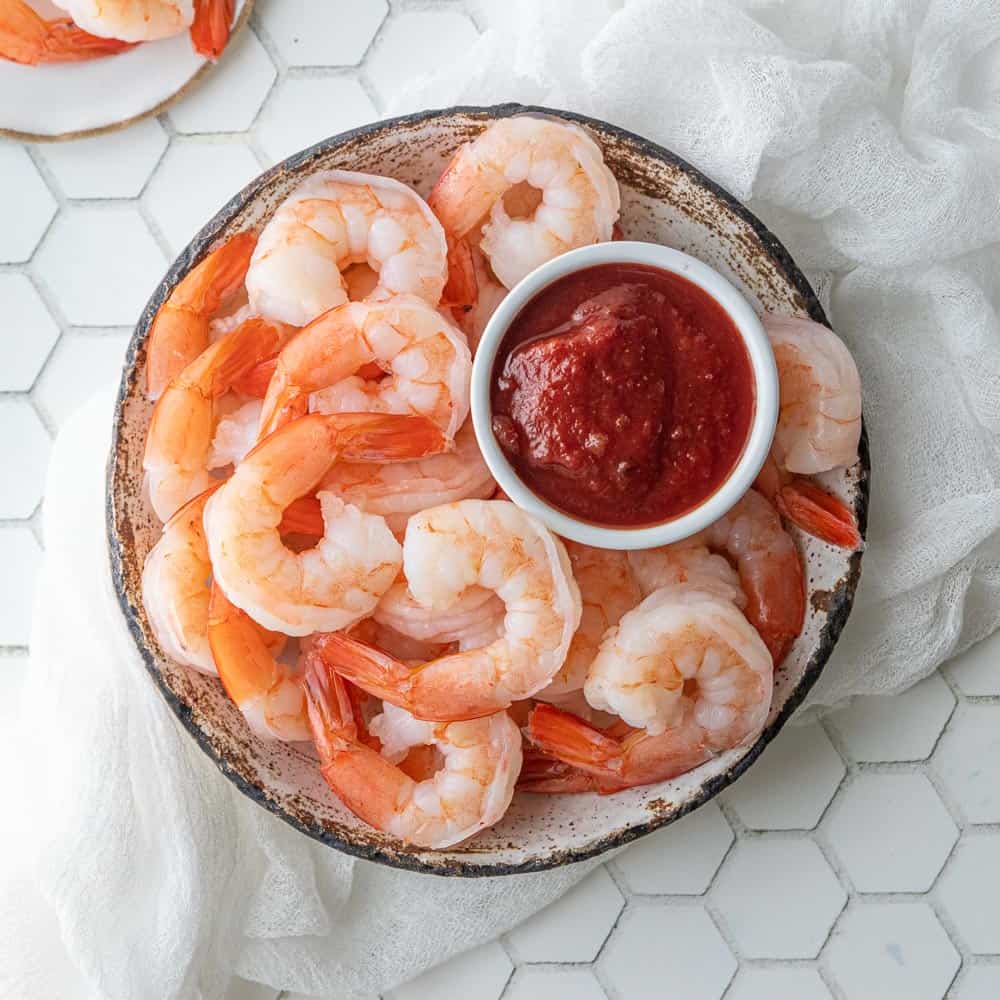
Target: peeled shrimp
x: 267, y: 691
x: 607, y: 590
x: 426, y: 358
x: 333, y: 220
x: 175, y: 590
x: 179, y: 441
x: 574, y: 201
x: 235, y: 434
x: 180, y: 331
x: 766, y: 560
x: 686, y: 670
x: 481, y: 760
x: 356, y: 559
x: 475, y: 543
x: 27, y: 37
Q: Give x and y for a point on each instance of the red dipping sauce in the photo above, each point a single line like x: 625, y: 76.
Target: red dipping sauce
x: 622, y: 395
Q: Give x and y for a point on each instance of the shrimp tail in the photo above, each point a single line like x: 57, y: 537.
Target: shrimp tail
x: 329, y: 705
x: 210, y: 29
x: 180, y: 330
x: 369, y: 668
x: 462, y: 288
x: 571, y: 740
x: 542, y: 774
x: 303, y: 517
x: 26, y: 37
x: 254, y: 383
x: 819, y: 513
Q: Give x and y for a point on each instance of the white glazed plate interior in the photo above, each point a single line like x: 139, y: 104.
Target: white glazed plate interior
x: 663, y: 201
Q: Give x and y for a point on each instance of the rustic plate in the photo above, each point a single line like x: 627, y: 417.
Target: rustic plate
x: 665, y: 200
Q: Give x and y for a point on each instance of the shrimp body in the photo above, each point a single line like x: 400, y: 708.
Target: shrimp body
x: 179, y: 441
x: 608, y: 589
x: 131, y: 20
x: 688, y: 563
x: 579, y: 198
x: 481, y: 760
x: 426, y: 358
x: 335, y: 219
x: 475, y: 543
x: 175, y: 590
x: 819, y: 423
x: 487, y: 293
x: 181, y: 329
x: 357, y: 558
x: 402, y: 489
x: 266, y: 691
x: 27, y: 37
x: 235, y: 434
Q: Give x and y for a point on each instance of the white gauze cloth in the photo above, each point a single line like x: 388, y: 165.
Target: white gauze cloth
x: 866, y: 134
x: 131, y: 869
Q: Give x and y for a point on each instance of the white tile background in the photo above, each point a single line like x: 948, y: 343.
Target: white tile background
x: 859, y: 859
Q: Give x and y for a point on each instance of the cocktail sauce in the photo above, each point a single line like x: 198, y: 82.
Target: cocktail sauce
x: 623, y: 395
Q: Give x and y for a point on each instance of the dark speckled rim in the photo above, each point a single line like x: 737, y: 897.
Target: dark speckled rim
x: 838, y: 605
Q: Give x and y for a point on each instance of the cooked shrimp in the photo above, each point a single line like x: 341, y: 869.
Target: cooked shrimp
x: 235, y: 434
x: 402, y: 647
x: 608, y: 589
x: 687, y: 670
x: 267, y: 691
x: 486, y: 293
x: 175, y: 588
x: 426, y: 359
x: 180, y: 331
x: 336, y: 219
x: 690, y: 563
x: 356, y: 559
x: 542, y: 187
x: 476, y: 612
x: 27, y: 37
x: 179, y: 441
x: 402, y: 489
x: 481, y: 760
x: 475, y: 543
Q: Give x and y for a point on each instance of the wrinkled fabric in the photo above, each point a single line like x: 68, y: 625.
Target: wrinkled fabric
x: 131, y: 868
x: 866, y: 134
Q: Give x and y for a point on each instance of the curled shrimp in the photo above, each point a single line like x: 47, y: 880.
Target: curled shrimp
x: 426, y: 360
x: 267, y: 691
x: 766, y: 561
x: 819, y: 427
x: 184, y: 421
x: 180, y: 331
x: 608, y: 589
x: 27, y: 37
x: 337, y: 219
x: 685, y: 670
x: 481, y: 760
x: 356, y: 559
x: 475, y: 543
x: 541, y: 185
x: 175, y: 590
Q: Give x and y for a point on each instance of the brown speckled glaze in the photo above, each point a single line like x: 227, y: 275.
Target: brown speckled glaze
x: 664, y: 200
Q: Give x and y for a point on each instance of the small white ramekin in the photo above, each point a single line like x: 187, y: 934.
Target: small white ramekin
x: 765, y: 376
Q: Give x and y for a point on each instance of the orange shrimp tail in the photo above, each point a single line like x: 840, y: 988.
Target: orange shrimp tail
x: 254, y: 382
x: 328, y: 704
x: 814, y: 510
x: 386, y: 437
x: 26, y: 37
x: 542, y: 774
x: 180, y: 330
x: 238, y: 353
x: 568, y: 738
x: 461, y: 289
x: 210, y: 29
x: 302, y: 517
x: 369, y: 668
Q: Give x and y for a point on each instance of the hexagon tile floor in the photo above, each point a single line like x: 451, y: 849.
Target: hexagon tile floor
x: 859, y: 859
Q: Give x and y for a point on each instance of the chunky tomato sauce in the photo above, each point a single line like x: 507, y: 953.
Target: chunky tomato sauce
x: 623, y: 395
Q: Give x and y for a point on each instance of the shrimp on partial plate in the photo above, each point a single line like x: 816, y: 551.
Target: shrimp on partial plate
x: 267, y: 691
x: 480, y: 762
x: 525, y: 191
x: 181, y: 330
x: 685, y: 670
x: 27, y: 37
x: 819, y: 427
x: 335, y: 220
x: 767, y: 564
x: 179, y: 443
x: 340, y: 579
x: 608, y: 589
x: 475, y: 543
x: 426, y: 361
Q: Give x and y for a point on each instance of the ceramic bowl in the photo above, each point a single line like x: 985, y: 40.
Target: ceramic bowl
x: 664, y: 200
x: 763, y: 369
